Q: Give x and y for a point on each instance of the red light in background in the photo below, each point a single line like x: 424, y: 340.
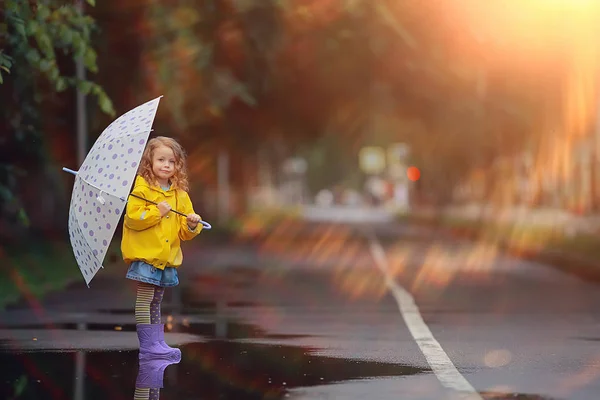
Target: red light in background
x: 413, y: 173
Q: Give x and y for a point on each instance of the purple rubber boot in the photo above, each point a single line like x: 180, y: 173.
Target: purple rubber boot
x: 164, y: 344
x: 151, y: 374
x: 150, y: 336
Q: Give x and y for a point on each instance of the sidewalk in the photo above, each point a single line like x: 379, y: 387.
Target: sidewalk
x: 101, y: 317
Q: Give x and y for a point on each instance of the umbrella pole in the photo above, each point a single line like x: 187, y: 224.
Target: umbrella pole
x: 204, y: 223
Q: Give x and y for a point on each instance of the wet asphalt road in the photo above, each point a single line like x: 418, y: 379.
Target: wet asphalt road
x: 330, y: 327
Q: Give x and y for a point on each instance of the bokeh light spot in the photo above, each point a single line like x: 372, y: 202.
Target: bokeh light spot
x: 413, y: 173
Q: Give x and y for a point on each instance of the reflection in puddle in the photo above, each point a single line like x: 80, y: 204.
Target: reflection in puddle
x: 212, y: 370
x: 150, y: 379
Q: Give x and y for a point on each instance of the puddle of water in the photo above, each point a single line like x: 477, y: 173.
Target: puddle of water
x: 54, y: 375
x: 211, y: 370
x: 514, y: 396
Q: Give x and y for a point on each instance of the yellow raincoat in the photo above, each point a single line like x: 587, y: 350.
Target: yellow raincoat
x: 151, y: 238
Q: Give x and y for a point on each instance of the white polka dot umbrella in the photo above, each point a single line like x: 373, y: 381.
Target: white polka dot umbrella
x: 102, y: 186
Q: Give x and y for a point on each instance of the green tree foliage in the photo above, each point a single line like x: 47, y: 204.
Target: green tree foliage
x: 40, y: 42
x: 299, y: 65
x: 245, y: 74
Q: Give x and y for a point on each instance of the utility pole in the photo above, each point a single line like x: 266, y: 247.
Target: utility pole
x: 223, y: 186
x: 81, y: 106
x: 595, y: 162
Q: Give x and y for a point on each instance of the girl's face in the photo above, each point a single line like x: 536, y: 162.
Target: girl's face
x: 163, y: 164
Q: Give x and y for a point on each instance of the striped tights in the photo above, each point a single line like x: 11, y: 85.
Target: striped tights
x: 146, y: 394
x: 147, y: 311
x: 147, y: 303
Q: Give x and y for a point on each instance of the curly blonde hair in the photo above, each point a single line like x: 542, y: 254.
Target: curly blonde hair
x: 180, y: 178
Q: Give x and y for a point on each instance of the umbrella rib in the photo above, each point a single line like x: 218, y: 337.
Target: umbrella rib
x: 100, y: 189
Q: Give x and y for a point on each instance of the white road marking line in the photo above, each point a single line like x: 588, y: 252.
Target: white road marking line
x: 437, y: 358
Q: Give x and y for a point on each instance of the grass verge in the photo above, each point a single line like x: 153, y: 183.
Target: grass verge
x: 32, y: 272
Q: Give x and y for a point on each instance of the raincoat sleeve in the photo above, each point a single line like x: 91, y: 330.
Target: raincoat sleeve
x: 185, y: 233
x: 140, y: 215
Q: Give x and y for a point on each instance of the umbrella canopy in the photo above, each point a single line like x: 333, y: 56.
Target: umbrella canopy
x: 103, y: 183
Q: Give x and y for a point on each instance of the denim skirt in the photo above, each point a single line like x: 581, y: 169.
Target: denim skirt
x: 144, y: 272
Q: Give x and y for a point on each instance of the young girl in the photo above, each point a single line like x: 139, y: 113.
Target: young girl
x: 152, y: 237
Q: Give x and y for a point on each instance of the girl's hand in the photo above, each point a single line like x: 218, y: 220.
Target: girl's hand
x: 164, y: 208
x: 193, y: 220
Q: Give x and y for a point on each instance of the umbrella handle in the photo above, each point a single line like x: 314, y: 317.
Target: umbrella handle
x: 69, y: 171
x: 204, y: 223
